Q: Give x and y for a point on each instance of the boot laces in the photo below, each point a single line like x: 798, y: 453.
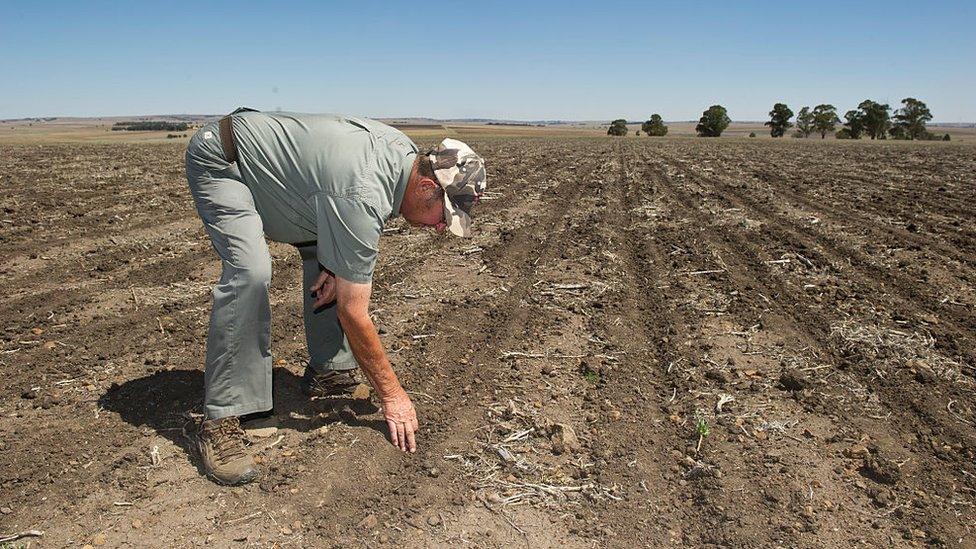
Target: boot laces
x: 333, y: 379
x: 228, y: 440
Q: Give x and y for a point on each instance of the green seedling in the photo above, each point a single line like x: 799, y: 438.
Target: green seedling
x: 701, y: 427
x: 589, y: 373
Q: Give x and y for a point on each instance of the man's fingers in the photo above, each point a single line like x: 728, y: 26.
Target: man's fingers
x: 318, y: 283
x: 326, y: 291
x: 392, y: 426
x: 324, y: 297
x: 411, y: 440
x: 415, y: 424
x: 402, y: 436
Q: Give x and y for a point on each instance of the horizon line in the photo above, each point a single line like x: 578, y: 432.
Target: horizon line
x: 381, y: 118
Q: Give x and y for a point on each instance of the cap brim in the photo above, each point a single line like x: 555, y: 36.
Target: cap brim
x: 458, y: 221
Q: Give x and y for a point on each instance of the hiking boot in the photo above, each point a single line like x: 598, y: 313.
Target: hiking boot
x: 331, y: 383
x: 221, y: 445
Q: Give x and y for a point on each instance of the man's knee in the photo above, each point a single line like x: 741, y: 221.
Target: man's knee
x: 256, y: 275
x: 249, y: 273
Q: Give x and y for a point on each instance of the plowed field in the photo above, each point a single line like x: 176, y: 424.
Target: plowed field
x: 655, y: 343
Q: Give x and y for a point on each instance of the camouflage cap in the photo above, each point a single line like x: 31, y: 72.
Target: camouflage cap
x: 461, y: 173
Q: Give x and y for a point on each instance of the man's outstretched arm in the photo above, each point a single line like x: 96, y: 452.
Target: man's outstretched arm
x: 352, y: 302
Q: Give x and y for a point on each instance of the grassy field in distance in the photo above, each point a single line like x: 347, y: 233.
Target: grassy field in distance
x: 99, y: 130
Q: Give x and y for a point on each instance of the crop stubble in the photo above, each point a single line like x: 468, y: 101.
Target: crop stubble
x: 623, y: 288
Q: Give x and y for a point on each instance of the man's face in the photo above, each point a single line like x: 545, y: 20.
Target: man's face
x: 430, y: 212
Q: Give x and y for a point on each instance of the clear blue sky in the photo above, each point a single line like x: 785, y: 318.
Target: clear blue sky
x: 519, y: 60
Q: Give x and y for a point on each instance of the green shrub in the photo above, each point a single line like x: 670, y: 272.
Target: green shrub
x: 655, y: 126
x: 618, y: 127
x: 713, y: 122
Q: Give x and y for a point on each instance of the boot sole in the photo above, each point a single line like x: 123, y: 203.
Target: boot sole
x: 314, y: 392
x: 244, y: 479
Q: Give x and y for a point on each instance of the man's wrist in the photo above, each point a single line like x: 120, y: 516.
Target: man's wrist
x: 390, y: 392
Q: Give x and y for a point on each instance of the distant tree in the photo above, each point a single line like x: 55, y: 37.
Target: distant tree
x: 752, y: 134
x: 854, y: 123
x: 804, y: 122
x: 779, y: 120
x: 825, y: 119
x: 637, y: 133
x: 946, y: 137
x: 876, y: 118
x: 843, y: 133
x: 655, y: 126
x: 617, y: 127
x: 713, y: 122
x: 911, y: 118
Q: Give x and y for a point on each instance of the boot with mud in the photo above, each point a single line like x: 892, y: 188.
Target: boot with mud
x: 330, y: 383
x: 221, y: 446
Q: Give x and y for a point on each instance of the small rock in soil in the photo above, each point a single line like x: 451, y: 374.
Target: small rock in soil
x: 564, y: 439
x: 881, y: 496
x: 792, y: 380
x: 856, y: 451
x: 925, y: 376
x: 262, y: 432
x: 718, y: 375
x: 880, y: 469
x: 368, y: 523
x: 361, y: 392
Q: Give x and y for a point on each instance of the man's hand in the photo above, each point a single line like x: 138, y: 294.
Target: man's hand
x: 401, y: 419
x: 324, y: 289
x: 353, y: 313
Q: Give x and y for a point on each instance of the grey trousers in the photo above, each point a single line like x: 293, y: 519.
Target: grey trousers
x: 237, y: 376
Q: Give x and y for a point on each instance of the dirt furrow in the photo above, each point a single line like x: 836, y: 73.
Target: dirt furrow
x: 457, y: 380
x: 813, y: 324
x: 953, y: 326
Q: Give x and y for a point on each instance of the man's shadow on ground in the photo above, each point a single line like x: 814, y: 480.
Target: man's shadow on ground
x: 164, y: 400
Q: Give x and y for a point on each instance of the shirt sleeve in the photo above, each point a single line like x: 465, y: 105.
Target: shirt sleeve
x: 348, y: 236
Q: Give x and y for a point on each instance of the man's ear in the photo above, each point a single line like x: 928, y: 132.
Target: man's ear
x: 426, y: 187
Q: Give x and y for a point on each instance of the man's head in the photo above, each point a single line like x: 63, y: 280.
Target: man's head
x: 444, y: 184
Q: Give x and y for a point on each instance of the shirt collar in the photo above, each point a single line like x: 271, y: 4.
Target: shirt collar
x: 401, y: 187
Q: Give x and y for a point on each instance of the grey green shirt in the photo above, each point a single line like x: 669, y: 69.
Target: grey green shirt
x: 327, y: 178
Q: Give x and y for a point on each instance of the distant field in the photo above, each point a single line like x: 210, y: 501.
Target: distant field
x: 75, y: 130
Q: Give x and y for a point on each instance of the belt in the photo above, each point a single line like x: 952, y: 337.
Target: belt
x: 227, y: 140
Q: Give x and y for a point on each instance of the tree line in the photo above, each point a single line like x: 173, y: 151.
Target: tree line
x: 150, y: 125
x: 870, y: 118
